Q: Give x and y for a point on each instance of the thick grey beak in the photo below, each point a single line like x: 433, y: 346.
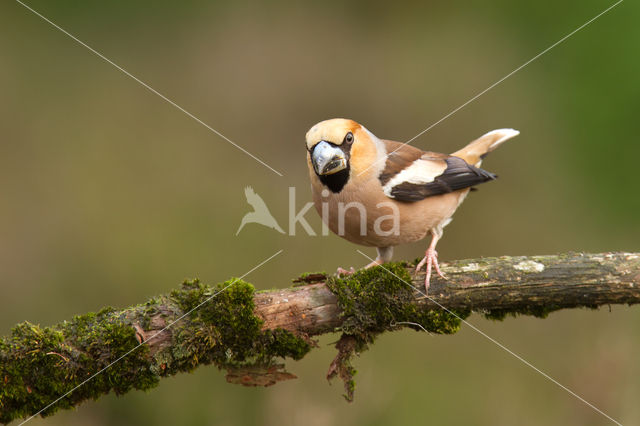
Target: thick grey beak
x: 328, y: 159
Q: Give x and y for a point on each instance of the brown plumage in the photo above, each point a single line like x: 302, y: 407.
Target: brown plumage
x: 382, y: 193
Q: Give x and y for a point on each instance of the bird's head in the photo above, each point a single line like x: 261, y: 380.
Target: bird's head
x: 339, y: 147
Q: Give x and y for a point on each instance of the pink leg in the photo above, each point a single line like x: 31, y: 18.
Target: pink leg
x: 376, y: 262
x: 350, y: 271
x: 342, y: 271
x: 384, y: 255
x: 431, y: 259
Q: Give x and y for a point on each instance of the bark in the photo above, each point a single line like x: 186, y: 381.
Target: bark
x: 245, y: 332
x: 507, y: 284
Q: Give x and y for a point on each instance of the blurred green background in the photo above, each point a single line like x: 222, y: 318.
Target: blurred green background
x: 109, y: 195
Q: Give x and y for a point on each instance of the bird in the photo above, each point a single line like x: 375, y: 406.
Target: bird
x: 260, y: 213
x: 381, y: 193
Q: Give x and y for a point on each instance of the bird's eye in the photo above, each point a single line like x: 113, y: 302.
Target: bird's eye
x: 349, y: 138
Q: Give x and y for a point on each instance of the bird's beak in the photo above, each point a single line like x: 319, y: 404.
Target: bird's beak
x: 328, y: 159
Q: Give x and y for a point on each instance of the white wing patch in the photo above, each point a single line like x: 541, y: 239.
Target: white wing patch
x: 422, y: 171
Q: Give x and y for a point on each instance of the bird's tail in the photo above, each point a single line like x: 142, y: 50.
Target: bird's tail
x: 478, y: 149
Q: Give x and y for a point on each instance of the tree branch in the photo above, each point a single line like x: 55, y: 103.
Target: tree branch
x: 247, y: 333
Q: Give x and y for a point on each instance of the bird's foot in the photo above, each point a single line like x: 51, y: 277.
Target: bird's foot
x: 376, y: 262
x: 351, y: 271
x: 342, y: 271
x: 431, y: 260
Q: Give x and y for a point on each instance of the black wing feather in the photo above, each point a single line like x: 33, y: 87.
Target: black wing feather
x: 458, y: 175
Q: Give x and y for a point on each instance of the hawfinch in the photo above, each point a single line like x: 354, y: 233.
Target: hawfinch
x: 380, y: 193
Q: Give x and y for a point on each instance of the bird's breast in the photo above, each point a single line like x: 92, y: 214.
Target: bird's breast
x: 364, y: 215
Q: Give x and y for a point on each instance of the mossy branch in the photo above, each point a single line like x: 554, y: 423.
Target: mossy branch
x: 248, y: 333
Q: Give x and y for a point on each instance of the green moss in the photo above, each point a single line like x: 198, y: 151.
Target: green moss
x: 40, y: 364
x: 341, y: 366
x: 534, y: 311
x: 228, y: 333
x: 375, y: 300
x: 306, y: 275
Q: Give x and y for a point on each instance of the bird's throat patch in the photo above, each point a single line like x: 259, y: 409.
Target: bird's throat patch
x: 336, y: 181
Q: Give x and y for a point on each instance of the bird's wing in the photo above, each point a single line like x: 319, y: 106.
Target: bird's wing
x: 254, y: 199
x: 399, y: 157
x: 410, y: 177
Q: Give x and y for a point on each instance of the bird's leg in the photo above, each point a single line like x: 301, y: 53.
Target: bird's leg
x: 431, y: 259
x: 384, y: 255
x: 376, y: 262
x: 350, y: 271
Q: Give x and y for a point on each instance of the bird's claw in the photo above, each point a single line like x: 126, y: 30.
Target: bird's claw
x: 342, y: 271
x: 431, y: 260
